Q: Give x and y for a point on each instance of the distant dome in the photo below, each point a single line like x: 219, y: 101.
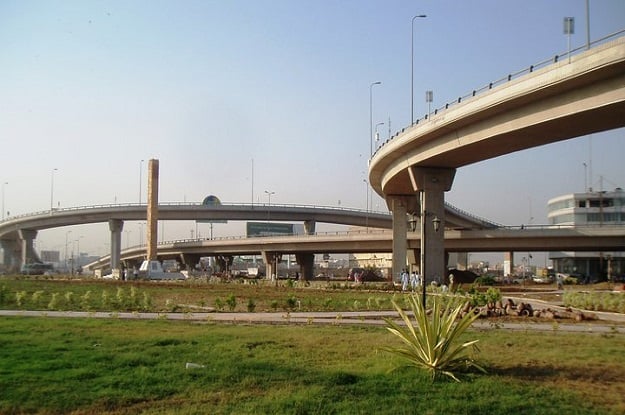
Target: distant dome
x: 211, y: 201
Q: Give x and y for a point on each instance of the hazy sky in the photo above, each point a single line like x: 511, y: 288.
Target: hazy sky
x: 91, y: 88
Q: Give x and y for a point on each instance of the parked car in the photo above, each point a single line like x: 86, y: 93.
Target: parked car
x: 540, y: 279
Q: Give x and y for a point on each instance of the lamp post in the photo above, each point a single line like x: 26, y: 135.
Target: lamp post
x: 140, y: 177
x: 367, y: 199
x: 52, y: 188
x: 412, y: 67
x: 78, y: 262
x: 3, y: 184
x: 371, y: 117
x: 377, y: 135
x: 268, y: 193
x: 569, y: 29
x: 66, y: 234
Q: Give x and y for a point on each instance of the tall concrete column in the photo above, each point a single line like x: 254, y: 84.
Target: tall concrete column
x: 271, y: 263
x: 116, y: 226
x: 399, y: 206
x: 27, y: 236
x: 306, y: 263
x: 309, y: 227
x: 432, y: 183
x: 10, y: 254
x: 508, y: 263
x: 152, y: 213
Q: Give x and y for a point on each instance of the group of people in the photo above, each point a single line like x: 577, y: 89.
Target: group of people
x: 412, y: 280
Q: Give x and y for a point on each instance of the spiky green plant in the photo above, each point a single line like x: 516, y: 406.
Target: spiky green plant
x: 432, y: 342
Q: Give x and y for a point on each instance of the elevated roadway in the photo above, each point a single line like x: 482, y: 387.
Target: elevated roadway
x: 17, y: 233
x: 609, y: 239
x: 560, y: 99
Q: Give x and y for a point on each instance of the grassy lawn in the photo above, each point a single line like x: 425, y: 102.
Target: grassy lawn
x: 89, y: 366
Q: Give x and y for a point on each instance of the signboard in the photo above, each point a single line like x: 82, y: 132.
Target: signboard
x: 211, y: 201
x: 50, y: 256
x: 268, y: 229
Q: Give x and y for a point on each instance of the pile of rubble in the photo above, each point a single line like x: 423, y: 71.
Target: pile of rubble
x: 509, y: 308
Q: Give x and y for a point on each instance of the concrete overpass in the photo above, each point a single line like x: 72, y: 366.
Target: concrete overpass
x: 18, y: 233
x: 563, y: 98
x: 545, y: 238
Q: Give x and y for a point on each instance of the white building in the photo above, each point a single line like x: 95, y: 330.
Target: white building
x: 589, y: 209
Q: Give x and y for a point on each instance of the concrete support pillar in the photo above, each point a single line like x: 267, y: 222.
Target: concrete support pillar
x: 27, y: 236
x: 461, y: 260
x: 508, y: 264
x: 116, y: 226
x: 271, y: 262
x: 152, y: 213
x: 399, y: 206
x: 10, y: 254
x: 432, y: 183
x: 309, y: 227
x: 189, y: 261
x: 306, y: 263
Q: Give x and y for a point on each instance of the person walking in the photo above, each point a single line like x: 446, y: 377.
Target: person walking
x: 404, y: 280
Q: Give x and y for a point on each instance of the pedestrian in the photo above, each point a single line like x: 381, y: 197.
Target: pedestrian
x: 413, y: 280
x: 559, y: 281
x: 404, y: 280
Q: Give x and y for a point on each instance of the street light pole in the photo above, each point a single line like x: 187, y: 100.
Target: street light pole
x: 52, y: 189
x: 377, y: 135
x: 140, y: 177
x: 268, y: 206
x: 3, y: 184
x: 412, y: 67
x: 371, y: 117
x: 66, y: 234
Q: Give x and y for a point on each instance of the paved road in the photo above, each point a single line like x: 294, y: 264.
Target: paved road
x: 603, y: 323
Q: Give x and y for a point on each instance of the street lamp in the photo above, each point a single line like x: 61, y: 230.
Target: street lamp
x: 268, y: 193
x: 140, y: 176
x: 377, y: 135
x: 412, y: 67
x: 66, y: 234
x: 52, y: 188
x: 371, y: 117
x: 3, y: 184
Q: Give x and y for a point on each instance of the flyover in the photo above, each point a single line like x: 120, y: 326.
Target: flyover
x: 559, y: 99
x: 541, y: 238
x: 18, y: 233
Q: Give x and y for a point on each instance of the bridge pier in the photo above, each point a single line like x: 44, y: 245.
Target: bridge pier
x: 10, y: 254
x: 116, y: 226
x: 309, y: 227
x: 400, y: 206
x: 432, y: 183
x: 271, y: 260
x: 189, y: 261
x: 306, y: 263
x: 27, y: 236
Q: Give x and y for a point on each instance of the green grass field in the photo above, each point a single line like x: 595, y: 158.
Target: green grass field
x: 89, y: 366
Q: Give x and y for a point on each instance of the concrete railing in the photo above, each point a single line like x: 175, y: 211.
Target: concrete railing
x: 511, y: 76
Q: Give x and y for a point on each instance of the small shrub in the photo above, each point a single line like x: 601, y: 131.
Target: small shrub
x: 231, y: 301
x: 20, y: 296
x: 291, y: 302
x: 251, y: 305
x: 54, y: 302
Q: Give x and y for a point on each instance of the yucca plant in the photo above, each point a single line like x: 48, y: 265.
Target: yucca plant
x: 432, y: 342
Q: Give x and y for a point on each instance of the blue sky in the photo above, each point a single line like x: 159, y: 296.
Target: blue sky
x: 93, y: 87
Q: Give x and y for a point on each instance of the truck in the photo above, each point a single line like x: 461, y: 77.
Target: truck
x: 153, y: 270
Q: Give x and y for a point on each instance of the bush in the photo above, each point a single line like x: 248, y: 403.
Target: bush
x: 433, y: 343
